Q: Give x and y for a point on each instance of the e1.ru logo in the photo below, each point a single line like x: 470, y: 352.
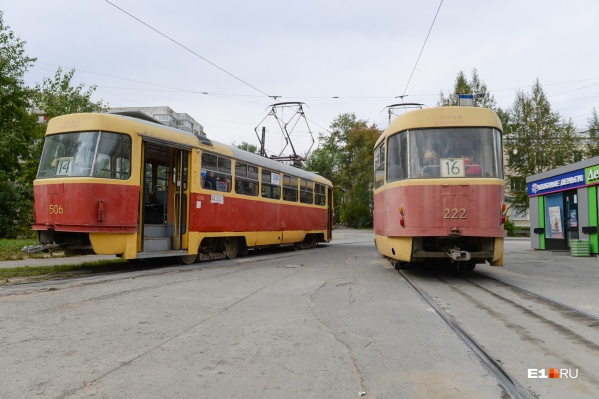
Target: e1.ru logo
x: 553, y: 373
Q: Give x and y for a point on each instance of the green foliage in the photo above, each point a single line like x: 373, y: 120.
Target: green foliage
x: 475, y: 86
x: 15, y: 121
x: 11, y: 249
x: 536, y: 140
x: 42, y: 273
x: 323, y: 162
x: 21, y: 136
x: 17, y: 132
x: 345, y: 156
x: 247, y: 147
x: 510, y: 227
x: 592, y: 146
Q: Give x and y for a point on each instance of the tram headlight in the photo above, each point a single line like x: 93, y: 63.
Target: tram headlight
x: 503, y: 212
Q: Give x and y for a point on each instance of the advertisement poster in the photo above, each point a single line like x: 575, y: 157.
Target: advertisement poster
x: 555, y: 220
x: 573, y: 218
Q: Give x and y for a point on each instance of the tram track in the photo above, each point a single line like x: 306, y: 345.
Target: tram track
x: 559, y: 305
x: 520, y: 329
x: 511, y: 385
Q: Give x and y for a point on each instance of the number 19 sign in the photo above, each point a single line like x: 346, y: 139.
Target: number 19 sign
x: 452, y: 167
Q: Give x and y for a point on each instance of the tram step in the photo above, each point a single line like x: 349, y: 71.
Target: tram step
x: 157, y: 244
x: 158, y: 230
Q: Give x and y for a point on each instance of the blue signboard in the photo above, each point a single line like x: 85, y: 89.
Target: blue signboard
x: 553, y: 184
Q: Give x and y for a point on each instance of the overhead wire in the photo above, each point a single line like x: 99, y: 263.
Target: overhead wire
x: 227, y: 95
x: 189, y: 50
x: 422, y: 49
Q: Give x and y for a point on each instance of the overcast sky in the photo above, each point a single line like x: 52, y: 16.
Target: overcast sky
x: 336, y: 56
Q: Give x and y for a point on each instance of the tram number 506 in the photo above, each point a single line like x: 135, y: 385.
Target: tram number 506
x: 454, y: 213
x: 56, y: 210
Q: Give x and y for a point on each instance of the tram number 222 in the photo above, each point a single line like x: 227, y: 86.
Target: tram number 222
x: 454, y: 213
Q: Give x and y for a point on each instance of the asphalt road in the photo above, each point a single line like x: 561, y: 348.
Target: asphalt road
x: 336, y: 321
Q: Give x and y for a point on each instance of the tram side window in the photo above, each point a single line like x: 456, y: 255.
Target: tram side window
x: 379, y: 165
x: 397, y: 157
x: 271, y: 182
x: 289, y: 188
x: 216, y: 172
x: 306, y: 191
x: 320, y: 197
x: 246, y: 179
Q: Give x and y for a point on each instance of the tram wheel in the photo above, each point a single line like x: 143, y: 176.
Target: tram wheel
x: 187, y: 259
x: 231, y: 247
x: 309, y: 241
x: 243, y: 248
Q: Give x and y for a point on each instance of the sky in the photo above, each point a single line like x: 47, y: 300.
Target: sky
x: 226, y: 62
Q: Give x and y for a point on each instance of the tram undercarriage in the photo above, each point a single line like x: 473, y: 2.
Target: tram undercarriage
x: 459, y: 252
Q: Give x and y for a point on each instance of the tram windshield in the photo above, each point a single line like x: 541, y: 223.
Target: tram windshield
x: 445, y: 153
x: 86, y: 154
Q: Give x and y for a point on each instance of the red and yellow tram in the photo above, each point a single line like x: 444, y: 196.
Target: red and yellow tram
x: 439, y: 188
x: 114, y: 184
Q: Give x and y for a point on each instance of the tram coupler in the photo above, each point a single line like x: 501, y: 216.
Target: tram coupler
x: 458, y: 256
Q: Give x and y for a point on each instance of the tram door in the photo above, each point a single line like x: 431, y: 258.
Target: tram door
x: 180, y: 192
x: 331, y: 215
x: 154, y: 219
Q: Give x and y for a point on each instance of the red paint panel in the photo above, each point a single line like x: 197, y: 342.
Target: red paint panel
x: 74, y: 207
x: 436, y: 210
x: 253, y: 214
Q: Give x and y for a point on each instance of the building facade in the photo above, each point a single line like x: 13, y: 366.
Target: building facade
x: 166, y: 116
x: 564, y: 206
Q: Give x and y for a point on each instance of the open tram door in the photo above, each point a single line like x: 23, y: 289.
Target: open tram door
x: 180, y: 165
x: 164, y: 202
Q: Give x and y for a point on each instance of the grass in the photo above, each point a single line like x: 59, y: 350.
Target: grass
x: 11, y: 249
x: 27, y: 274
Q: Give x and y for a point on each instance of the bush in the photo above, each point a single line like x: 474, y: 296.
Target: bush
x: 510, y: 227
x: 17, y: 205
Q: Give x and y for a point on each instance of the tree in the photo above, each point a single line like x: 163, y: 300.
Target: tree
x: 357, y: 175
x: 15, y: 121
x: 345, y: 156
x: 322, y: 161
x: 482, y: 97
x: 592, y: 146
x: 247, y: 147
x: 17, y: 126
x: 536, y: 140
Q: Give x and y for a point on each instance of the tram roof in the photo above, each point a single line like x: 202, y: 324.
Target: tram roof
x: 443, y: 117
x: 154, y: 130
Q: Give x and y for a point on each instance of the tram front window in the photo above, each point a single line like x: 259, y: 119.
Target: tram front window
x: 86, y: 154
x: 455, y: 152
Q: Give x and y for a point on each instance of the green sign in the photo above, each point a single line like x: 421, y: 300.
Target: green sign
x: 591, y: 175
